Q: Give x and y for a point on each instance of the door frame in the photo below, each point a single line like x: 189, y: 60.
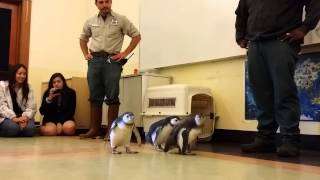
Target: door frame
x: 20, y: 30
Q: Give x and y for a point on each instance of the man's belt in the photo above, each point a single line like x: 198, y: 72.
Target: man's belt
x: 100, y: 54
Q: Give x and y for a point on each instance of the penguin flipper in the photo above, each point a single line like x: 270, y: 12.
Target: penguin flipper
x: 137, y: 134
x: 114, y: 124
x: 157, y: 131
x: 155, y: 125
x: 166, y: 148
x: 150, y: 135
x: 171, y: 141
x: 185, y: 136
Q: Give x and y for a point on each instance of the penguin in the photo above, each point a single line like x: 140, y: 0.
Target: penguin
x: 184, y: 134
x: 121, y: 131
x: 160, y: 130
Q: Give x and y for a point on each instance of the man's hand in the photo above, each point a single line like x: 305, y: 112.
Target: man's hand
x: 120, y: 56
x: 243, y: 43
x: 295, y: 35
x: 88, y: 57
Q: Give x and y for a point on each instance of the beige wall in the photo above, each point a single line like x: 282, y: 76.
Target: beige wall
x: 226, y: 80
x: 54, y: 47
x: 54, y: 39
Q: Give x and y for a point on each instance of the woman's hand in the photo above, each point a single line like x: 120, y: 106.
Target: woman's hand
x: 53, y: 93
x: 23, y: 125
x: 16, y: 120
x: 21, y: 121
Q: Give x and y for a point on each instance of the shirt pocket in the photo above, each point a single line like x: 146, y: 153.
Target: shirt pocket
x: 96, y: 30
x: 114, y: 31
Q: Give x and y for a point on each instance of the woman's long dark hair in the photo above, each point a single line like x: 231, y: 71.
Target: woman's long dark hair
x: 55, y: 75
x: 12, y: 82
x: 60, y: 99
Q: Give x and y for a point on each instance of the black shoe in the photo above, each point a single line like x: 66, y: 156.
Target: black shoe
x: 259, y: 146
x: 288, y: 150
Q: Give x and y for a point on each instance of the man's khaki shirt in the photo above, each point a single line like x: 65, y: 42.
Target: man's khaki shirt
x: 107, y: 35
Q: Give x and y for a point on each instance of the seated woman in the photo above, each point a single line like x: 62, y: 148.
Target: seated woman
x: 58, y: 107
x: 17, y: 104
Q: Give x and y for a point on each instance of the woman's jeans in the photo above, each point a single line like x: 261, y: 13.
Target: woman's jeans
x: 9, y: 128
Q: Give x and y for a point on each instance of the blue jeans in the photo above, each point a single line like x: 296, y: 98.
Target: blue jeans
x: 9, y: 128
x: 103, y: 80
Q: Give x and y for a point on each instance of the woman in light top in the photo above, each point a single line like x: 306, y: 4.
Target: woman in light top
x: 17, y: 104
x: 58, y: 108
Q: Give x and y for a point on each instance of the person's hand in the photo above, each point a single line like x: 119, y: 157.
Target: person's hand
x: 16, y: 120
x: 24, y: 119
x: 243, y: 43
x: 295, y: 35
x: 120, y: 56
x: 52, y: 94
x: 21, y: 120
x: 88, y: 57
x: 23, y: 125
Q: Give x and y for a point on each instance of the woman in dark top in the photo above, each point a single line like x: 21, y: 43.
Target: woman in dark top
x: 58, y: 107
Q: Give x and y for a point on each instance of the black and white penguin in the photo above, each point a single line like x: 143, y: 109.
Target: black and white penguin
x: 184, y: 134
x: 159, y: 131
x: 121, y: 131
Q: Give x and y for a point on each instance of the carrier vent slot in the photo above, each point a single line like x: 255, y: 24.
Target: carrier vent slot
x: 162, y: 102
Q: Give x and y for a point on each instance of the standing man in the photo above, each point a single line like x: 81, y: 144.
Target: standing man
x: 273, y: 31
x: 106, y: 32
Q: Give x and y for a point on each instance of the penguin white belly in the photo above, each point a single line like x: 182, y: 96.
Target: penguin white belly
x: 154, y: 135
x: 180, y: 138
x: 193, y: 134
x: 163, y: 135
x: 121, y: 135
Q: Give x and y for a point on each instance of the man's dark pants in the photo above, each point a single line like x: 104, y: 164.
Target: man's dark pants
x: 271, y: 67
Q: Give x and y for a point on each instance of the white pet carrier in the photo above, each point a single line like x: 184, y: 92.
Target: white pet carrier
x: 181, y: 100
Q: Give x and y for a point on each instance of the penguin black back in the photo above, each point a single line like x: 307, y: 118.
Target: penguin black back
x: 159, y: 124
x: 172, y: 139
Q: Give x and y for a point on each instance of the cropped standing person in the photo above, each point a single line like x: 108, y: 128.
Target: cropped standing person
x: 273, y: 31
x: 106, y: 32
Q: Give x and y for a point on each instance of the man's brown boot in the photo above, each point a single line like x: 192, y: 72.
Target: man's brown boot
x: 95, y: 122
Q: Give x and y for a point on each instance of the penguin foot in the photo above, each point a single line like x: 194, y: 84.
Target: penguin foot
x: 128, y: 150
x: 188, y: 153
x: 106, y: 138
x: 158, y: 148
x: 132, y: 152
x: 114, y: 151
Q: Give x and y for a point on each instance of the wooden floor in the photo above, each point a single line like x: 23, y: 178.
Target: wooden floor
x: 60, y: 158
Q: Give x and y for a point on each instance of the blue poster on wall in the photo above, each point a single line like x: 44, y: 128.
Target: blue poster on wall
x: 307, y: 77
